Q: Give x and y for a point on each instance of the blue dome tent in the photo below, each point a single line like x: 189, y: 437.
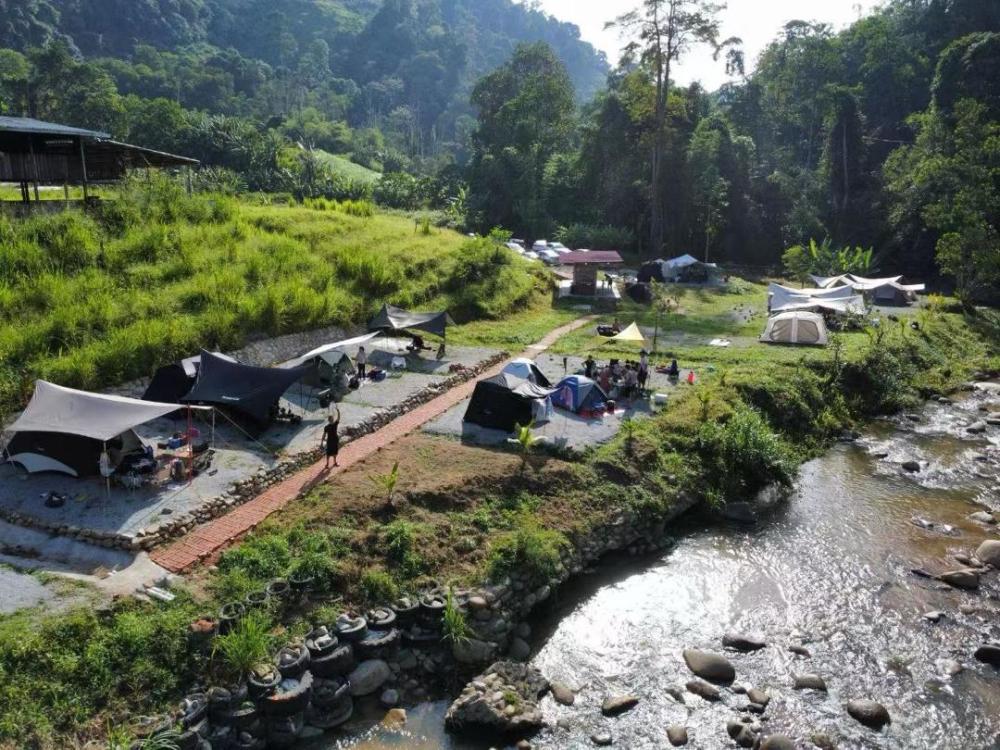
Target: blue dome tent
x: 579, y: 395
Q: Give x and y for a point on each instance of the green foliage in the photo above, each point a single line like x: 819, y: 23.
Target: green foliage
x: 822, y: 259
x: 527, y: 549
x: 400, y: 540
x: 378, y: 587
x: 526, y: 440
x: 742, y: 454
x: 454, y: 628
x: 245, y: 646
x: 387, y: 482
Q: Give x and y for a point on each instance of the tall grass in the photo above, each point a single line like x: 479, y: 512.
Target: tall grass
x: 92, y: 299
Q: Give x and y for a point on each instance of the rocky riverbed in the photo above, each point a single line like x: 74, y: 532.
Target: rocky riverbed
x: 855, y: 615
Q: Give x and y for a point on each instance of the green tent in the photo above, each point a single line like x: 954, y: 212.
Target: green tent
x: 327, y: 368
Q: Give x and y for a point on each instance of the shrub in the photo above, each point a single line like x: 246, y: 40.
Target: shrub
x: 245, y: 646
x: 454, y: 628
x: 399, y: 538
x: 261, y: 556
x: 527, y: 549
x: 742, y: 454
x: 378, y: 586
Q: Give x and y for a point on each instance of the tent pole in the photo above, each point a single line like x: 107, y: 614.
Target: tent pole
x: 107, y: 477
x: 213, y: 426
x: 190, y: 443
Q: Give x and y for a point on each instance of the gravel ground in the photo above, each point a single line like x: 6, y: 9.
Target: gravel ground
x: 237, y: 456
x: 20, y: 591
x: 564, y: 429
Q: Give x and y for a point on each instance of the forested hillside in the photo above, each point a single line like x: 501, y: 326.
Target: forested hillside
x: 388, y: 82
x: 885, y: 135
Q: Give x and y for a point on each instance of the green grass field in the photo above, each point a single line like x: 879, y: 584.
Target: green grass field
x: 91, y: 300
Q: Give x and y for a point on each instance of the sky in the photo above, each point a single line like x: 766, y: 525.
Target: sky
x: 757, y: 22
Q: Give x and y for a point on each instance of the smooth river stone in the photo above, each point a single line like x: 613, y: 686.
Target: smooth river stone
x: 870, y: 713
x: 809, y: 682
x: 709, y: 666
x: 743, y: 642
x: 777, y: 742
x: 989, y: 552
x: 703, y: 690
x: 961, y: 579
x: 619, y: 704
x: 989, y: 654
x: 677, y: 734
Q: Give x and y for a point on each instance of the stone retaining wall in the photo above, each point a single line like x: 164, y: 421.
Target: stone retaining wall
x: 247, y: 489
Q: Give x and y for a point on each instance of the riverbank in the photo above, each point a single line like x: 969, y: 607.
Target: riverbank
x: 462, y: 515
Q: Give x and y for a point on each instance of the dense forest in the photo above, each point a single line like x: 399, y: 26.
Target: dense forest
x: 228, y: 80
x: 884, y: 135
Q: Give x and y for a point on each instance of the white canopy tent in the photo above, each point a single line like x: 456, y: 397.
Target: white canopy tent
x: 838, y: 300
x: 886, y: 289
x: 335, y: 346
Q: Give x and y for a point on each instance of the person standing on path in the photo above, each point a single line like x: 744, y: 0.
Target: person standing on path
x: 331, y: 439
x: 362, y: 362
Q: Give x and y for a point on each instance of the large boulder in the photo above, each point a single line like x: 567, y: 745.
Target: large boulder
x: 777, y: 742
x: 369, y: 676
x: 989, y: 552
x: 501, y: 702
x: 870, y: 713
x: 709, y: 666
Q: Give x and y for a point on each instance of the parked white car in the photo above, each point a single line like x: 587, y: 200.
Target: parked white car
x: 531, y: 255
x: 559, y: 248
x: 540, y: 245
x: 515, y: 247
x: 550, y: 257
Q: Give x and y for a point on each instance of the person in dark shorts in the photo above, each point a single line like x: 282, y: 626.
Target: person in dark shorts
x: 331, y: 440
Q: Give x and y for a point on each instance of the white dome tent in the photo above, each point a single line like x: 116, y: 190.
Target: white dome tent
x: 526, y: 369
x: 796, y: 327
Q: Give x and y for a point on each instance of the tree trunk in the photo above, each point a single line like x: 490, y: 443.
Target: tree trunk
x: 655, y: 198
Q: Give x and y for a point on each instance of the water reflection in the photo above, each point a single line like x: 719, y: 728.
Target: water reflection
x: 830, y: 570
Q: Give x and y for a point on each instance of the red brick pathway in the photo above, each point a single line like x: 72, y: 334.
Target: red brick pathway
x: 208, y: 539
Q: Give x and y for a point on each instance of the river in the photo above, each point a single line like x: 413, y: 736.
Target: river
x: 828, y: 569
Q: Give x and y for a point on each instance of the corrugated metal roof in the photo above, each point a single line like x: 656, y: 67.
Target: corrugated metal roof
x: 29, y: 125
x: 592, y: 258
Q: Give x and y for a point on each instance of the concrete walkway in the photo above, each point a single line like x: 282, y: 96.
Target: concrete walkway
x: 209, y: 539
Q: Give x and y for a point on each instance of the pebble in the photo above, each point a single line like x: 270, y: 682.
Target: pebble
x: 677, y: 734
x: 619, y: 704
x: 562, y: 694
x: 799, y: 650
x: 703, y: 690
x: 759, y: 697
x: 934, y: 616
x: 743, y: 642
x: 602, y: 738
x: 911, y: 466
x: 989, y: 552
x: 809, y: 682
x: 389, y: 698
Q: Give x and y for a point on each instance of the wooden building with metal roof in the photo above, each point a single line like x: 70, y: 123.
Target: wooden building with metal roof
x: 33, y: 152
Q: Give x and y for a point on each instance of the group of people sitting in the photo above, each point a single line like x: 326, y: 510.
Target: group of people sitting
x: 625, y: 380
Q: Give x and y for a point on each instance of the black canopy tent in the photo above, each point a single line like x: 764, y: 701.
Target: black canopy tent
x: 250, y: 393
x: 172, y: 382
x: 391, y: 318
x: 505, y: 401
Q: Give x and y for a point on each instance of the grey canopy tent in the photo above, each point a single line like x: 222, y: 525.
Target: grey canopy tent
x: 248, y: 393
x: 67, y: 430
x: 391, y: 318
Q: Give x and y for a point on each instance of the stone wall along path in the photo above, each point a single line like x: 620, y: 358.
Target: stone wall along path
x: 207, y: 540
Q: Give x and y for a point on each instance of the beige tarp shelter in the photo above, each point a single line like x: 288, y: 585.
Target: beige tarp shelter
x: 796, y: 327
x: 630, y: 333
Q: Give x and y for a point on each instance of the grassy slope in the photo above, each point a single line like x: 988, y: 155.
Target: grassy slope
x: 341, y: 165
x: 90, y: 303
x: 473, y: 512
